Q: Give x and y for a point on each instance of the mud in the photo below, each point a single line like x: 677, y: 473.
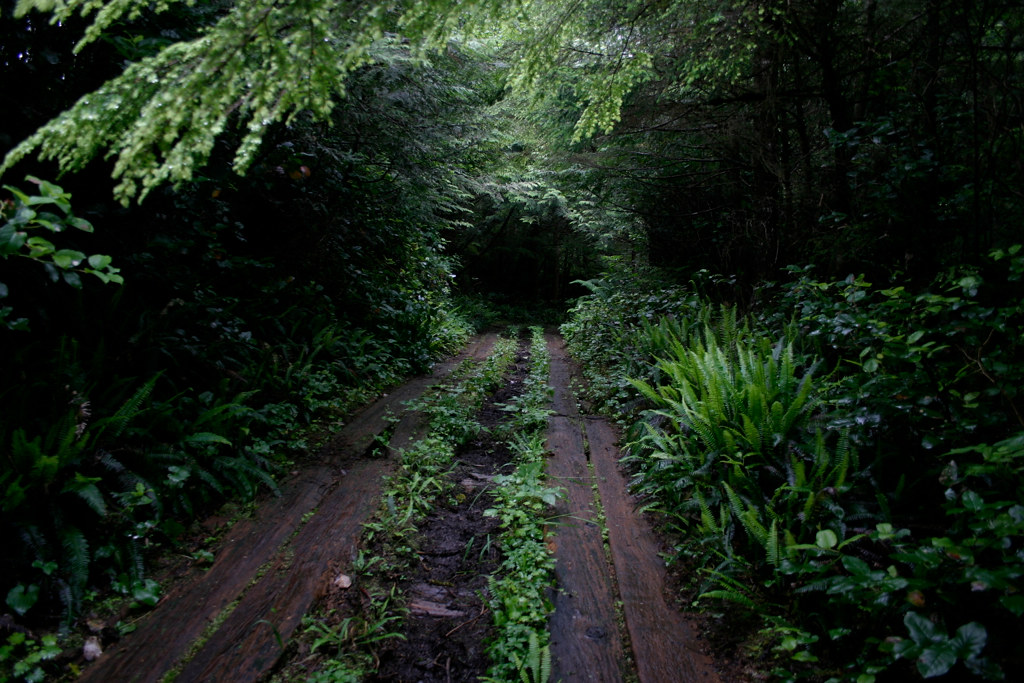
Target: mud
x: 449, y: 622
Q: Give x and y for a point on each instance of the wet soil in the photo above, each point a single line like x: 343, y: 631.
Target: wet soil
x: 449, y: 622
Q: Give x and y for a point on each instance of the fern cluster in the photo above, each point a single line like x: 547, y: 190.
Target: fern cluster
x: 728, y: 447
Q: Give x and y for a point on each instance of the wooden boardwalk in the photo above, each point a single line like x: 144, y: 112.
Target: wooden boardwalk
x: 611, y: 621
x: 587, y: 634
x: 226, y: 624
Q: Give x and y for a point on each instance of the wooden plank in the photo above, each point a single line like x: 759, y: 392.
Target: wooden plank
x: 585, y: 642
x: 661, y: 638
x: 560, y: 376
x: 165, y: 635
x: 249, y: 642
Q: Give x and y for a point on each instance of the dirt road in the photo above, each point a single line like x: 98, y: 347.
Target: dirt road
x: 611, y: 620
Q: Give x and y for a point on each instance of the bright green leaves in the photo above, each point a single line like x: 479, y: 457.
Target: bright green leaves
x: 23, y: 217
x: 605, y: 91
x: 826, y: 539
x: 260, y: 63
x: 264, y: 62
x: 26, y: 655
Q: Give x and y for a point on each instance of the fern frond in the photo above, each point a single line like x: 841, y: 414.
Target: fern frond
x: 772, y: 545
x: 76, y: 564
x: 115, y: 425
x: 93, y: 498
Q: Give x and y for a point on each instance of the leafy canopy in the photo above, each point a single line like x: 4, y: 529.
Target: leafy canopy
x: 261, y: 62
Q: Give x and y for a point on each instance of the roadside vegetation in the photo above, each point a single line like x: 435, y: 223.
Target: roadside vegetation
x: 839, y: 465
x: 782, y: 238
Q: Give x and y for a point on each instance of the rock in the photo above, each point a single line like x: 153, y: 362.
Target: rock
x: 91, y: 650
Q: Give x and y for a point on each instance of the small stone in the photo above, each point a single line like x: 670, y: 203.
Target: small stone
x: 342, y: 581
x: 91, y: 650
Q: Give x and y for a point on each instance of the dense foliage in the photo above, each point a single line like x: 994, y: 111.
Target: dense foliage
x: 810, y: 318
x: 217, y: 331
x: 843, y: 462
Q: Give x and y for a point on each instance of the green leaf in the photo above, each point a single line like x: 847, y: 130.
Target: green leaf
x: 68, y: 258
x: 147, y: 592
x: 969, y: 640
x: 826, y: 538
x: 80, y: 223
x: 207, y: 437
x: 72, y: 278
x: 856, y: 566
x: 47, y: 568
x: 970, y: 284
x: 972, y: 501
x: 21, y: 597
x: 11, y: 240
x: 921, y: 629
x: 39, y: 246
x: 99, y: 261
x: 1014, y: 603
x: 936, y: 661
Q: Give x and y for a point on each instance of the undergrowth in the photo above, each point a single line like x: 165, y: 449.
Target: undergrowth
x: 519, y: 603
x: 420, y: 479
x: 845, y: 462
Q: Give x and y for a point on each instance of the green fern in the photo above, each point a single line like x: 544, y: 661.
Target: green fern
x: 76, y: 565
x: 536, y: 668
x: 772, y: 544
x: 729, y: 589
x: 86, y: 489
x: 114, y: 426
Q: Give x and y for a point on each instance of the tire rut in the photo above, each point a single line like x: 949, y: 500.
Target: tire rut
x: 449, y: 620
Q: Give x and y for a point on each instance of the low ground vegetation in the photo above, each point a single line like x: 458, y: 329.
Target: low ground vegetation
x: 349, y: 642
x: 840, y: 465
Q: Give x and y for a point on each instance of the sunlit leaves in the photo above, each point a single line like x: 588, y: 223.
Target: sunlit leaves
x: 605, y: 92
x: 260, y: 63
x: 263, y: 62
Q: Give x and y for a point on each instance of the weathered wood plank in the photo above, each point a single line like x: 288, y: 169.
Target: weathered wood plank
x: 661, y: 638
x: 165, y: 635
x: 184, y: 612
x: 246, y: 646
x: 560, y: 376
x: 585, y: 642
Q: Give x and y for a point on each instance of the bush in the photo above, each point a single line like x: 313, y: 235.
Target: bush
x: 810, y: 497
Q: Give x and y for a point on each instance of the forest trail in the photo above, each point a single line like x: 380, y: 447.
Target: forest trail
x: 611, y: 622
x: 587, y: 644
x: 228, y: 620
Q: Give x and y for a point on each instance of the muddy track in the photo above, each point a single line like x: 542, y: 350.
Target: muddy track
x: 449, y: 621
x: 611, y: 622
